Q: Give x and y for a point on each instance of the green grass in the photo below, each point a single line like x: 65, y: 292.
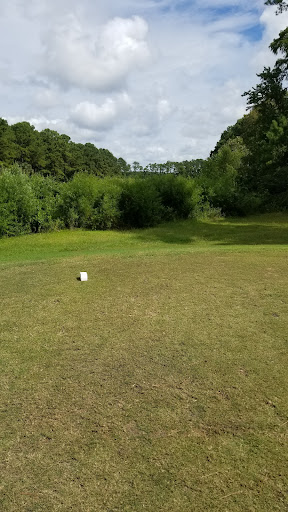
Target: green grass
x: 266, y: 230
x: 158, y: 385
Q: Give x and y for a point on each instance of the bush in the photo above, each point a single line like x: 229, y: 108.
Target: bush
x: 17, y: 202
x: 220, y: 176
x: 76, y: 200
x: 46, y: 200
x: 179, y: 196
x: 90, y: 202
x: 105, y: 211
x: 140, y: 203
x: 248, y: 203
x: 34, y: 203
x: 205, y: 211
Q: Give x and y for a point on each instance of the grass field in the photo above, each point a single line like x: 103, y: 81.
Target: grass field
x: 160, y: 384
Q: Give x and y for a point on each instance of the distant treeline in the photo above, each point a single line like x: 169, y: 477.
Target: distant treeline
x: 52, y: 154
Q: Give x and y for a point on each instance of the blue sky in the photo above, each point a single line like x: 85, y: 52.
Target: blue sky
x: 254, y: 33
x: 151, y: 80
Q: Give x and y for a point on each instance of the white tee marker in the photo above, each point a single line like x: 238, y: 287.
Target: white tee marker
x: 83, y: 276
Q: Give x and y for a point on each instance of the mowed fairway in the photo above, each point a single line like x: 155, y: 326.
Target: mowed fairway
x: 159, y: 385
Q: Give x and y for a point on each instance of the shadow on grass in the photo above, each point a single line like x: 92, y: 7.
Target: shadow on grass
x: 266, y: 230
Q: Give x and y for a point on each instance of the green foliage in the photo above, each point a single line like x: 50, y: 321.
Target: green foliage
x: 157, y: 198
x: 46, y: 193
x: 8, y: 148
x: 89, y: 202
x: 56, y: 153
x: 140, y: 203
x: 246, y: 128
x: 219, y: 179
x: 101, y: 162
x: 186, y: 168
x: 190, y: 168
x: 30, y: 202
x: 276, y: 154
x: 76, y: 200
x: 50, y: 153
x: 269, y: 96
x: 178, y: 196
x: 205, y: 211
x: 106, y: 211
x: 16, y: 202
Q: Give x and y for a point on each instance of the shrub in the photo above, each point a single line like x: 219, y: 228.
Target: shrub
x: 46, y: 199
x: 17, y: 202
x: 90, y: 202
x: 205, y: 211
x: 140, y: 203
x: 76, y: 200
x: 105, y: 212
x: 179, y: 196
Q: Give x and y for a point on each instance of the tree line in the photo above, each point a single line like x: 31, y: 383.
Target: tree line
x: 52, y: 154
x: 31, y: 202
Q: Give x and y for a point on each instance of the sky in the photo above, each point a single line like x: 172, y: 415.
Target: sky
x: 150, y: 80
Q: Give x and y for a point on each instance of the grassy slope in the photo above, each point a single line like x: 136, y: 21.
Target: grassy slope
x: 160, y: 384
x: 266, y: 230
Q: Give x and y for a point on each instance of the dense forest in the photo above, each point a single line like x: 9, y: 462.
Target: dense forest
x: 49, y: 182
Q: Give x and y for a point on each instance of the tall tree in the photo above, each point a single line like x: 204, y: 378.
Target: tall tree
x: 8, y: 147
x: 269, y: 97
x: 53, y: 147
x: 29, y: 147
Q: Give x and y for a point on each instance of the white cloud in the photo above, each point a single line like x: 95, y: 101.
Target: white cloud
x: 100, y: 117
x: 92, y: 116
x: 101, y: 61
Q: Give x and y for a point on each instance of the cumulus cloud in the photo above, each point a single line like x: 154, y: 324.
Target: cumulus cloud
x: 96, y: 117
x: 99, y: 62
